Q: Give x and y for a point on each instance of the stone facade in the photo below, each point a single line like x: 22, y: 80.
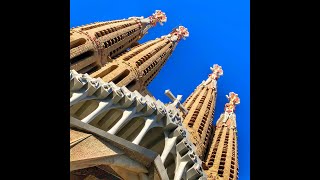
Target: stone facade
x: 104, y: 115
x: 118, y: 130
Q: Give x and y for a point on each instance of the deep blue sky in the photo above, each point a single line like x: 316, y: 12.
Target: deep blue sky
x: 219, y: 34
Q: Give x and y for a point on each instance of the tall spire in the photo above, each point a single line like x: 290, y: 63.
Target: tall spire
x: 95, y: 44
x: 138, y: 67
x: 201, y: 106
x: 222, y: 160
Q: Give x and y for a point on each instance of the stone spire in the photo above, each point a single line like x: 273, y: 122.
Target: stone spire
x: 222, y: 160
x: 201, y: 106
x: 138, y: 67
x: 95, y: 44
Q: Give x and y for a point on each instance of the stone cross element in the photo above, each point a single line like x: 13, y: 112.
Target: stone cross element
x: 176, y: 101
x: 234, y: 99
x: 216, y: 71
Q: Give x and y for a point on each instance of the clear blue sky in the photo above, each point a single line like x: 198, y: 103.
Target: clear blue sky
x: 219, y: 34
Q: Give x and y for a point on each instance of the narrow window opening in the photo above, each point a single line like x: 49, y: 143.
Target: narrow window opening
x: 131, y: 84
x: 81, y: 57
x: 121, y: 76
x: 95, y: 68
x: 77, y: 43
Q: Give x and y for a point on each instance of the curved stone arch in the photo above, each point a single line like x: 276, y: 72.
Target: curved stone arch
x: 170, y: 165
x: 107, y: 119
x: 154, y: 139
x: 160, y: 130
x: 83, y: 109
x: 131, y: 129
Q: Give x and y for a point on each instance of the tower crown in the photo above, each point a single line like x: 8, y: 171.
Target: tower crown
x: 213, y: 77
x: 177, y: 34
x: 158, y: 16
x: 234, y: 99
x: 151, y: 21
x: 216, y: 72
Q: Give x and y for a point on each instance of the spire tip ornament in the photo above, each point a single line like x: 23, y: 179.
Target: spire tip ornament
x: 151, y: 21
x: 234, y: 99
x: 178, y: 33
x: 216, y: 71
x: 158, y: 16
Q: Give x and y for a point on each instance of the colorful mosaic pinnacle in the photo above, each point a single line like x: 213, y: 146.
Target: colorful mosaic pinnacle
x: 177, y: 34
x: 182, y: 32
x: 216, y: 72
x: 158, y: 16
x: 234, y: 99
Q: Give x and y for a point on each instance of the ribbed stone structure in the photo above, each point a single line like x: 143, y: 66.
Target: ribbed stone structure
x: 98, y: 107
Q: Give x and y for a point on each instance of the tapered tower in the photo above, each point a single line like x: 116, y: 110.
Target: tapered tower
x: 93, y: 45
x: 222, y: 160
x: 201, y: 107
x: 138, y: 67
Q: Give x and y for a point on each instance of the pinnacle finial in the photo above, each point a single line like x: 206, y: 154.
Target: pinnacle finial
x: 233, y: 101
x: 178, y: 33
x: 158, y: 16
x: 216, y: 71
x: 233, y: 98
x: 151, y: 21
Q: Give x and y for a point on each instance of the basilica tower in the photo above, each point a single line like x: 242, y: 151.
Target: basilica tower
x: 93, y: 45
x: 201, y: 106
x: 138, y: 67
x: 222, y: 160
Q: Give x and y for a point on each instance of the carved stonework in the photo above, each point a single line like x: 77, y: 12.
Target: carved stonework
x: 119, y: 128
x: 216, y: 71
x: 158, y: 16
x: 108, y: 110
x: 177, y: 34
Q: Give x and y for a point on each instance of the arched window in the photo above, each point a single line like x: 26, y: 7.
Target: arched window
x: 81, y: 57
